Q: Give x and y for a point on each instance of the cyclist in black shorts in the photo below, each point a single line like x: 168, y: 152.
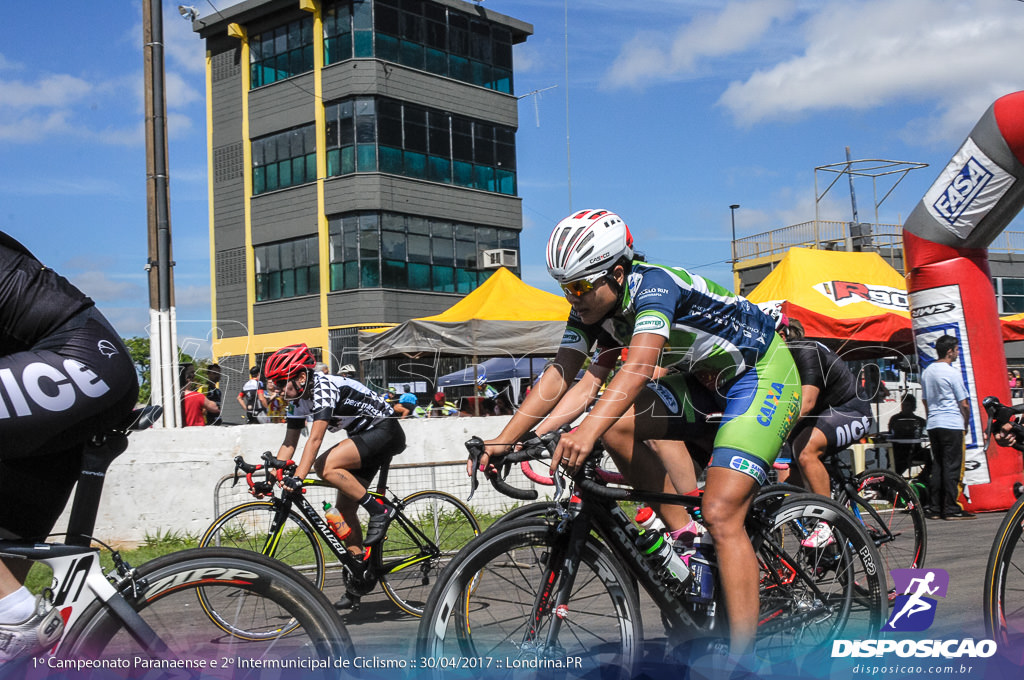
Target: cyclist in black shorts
x: 64, y: 376
x: 337, y: 403
x: 832, y: 416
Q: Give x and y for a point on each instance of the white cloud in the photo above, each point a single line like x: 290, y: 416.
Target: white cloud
x: 862, y: 55
x: 101, y: 287
x: 49, y: 91
x: 653, y: 56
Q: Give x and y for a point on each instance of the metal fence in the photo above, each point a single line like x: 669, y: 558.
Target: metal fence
x: 403, y: 480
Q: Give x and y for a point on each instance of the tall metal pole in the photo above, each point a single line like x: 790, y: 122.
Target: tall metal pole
x: 735, y: 276
x: 162, y: 333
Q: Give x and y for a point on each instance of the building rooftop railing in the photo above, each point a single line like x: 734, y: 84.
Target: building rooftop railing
x: 886, y: 239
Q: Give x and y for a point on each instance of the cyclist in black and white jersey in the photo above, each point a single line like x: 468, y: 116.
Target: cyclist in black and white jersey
x: 337, y: 403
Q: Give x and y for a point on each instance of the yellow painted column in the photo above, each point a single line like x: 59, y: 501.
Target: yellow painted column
x: 324, y: 238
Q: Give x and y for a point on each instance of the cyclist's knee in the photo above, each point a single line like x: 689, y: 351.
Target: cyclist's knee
x: 723, y: 518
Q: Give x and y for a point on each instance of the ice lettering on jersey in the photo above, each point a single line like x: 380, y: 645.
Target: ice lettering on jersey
x: 42, y: 386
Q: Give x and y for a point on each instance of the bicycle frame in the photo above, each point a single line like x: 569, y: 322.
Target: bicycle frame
x: 618, y: 533
x: 283, y: 505
x: 840, y: 478
x: 78, y: 577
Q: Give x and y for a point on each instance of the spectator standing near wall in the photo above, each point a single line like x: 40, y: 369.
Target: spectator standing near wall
x: 253, y: 400
x: 947, y: 405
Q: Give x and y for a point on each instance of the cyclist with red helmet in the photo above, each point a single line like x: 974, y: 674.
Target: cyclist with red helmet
x: 721, y: 354
x: 337, y: 403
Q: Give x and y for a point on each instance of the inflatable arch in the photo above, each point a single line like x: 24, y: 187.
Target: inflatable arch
x: 945, y: 243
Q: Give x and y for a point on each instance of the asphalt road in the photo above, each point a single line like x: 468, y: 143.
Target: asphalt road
x: 380, y: 631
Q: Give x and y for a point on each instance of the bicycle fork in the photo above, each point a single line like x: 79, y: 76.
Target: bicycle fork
x: 552, y: 601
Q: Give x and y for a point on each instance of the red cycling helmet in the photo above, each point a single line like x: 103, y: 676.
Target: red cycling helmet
x: 288, y: 362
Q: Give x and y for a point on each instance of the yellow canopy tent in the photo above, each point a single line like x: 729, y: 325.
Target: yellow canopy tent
x: 503, y: 317
x: 853, y: 302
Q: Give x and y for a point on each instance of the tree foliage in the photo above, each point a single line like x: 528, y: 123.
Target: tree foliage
x: 138, y: 348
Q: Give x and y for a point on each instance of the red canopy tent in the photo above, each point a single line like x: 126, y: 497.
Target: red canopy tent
x: 853, y: 302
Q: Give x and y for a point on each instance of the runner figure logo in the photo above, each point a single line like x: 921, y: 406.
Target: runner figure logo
x: 914, y: 607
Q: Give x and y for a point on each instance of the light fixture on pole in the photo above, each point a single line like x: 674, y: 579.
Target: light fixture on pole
x: 732, y: 209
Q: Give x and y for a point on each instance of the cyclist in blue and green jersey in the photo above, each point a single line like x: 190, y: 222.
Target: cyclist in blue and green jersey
x: 713, y: 352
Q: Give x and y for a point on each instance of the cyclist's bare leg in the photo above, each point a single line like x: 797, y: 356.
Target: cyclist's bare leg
x: 666, y: 467
x: 808, y: 448
x: 348, y: 507
x: 727, y: 497
x: 334, y: 468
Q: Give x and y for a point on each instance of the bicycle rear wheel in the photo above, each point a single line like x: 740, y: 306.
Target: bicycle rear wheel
x: 900, y: 515
x: 1004, y: 585
x: 811, y: 596
x: 430, y: 529
x: 247, y: 527
x: 491, y: 602
x: 297, y: 626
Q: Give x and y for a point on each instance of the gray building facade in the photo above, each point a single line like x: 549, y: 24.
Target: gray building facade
x: 362, y: 166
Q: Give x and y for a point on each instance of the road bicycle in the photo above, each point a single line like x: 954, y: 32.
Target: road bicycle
x: 427, y: 530
x: 886, y: 504
x: 1003, y: 599
x: 137, y: 619
x: 561, y: 591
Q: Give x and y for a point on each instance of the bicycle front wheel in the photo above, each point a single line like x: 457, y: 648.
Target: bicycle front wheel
x: 298, y: 627
x: 247, y: 527
x: 899, y: 528
x: 494, y: 600
x: 1004, y: 583
x: 430, y: 529
x: 811, y: 594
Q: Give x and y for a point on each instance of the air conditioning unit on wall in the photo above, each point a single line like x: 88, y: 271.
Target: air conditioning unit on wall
x: 499, y: 257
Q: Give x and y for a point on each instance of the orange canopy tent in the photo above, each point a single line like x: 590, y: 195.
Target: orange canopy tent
x: 1013, y: 327
x: 853, y: 302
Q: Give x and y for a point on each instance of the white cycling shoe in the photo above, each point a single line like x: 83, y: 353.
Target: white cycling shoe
x: 35, y: 634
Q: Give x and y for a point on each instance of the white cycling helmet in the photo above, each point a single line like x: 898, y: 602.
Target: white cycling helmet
x: 587, y: 243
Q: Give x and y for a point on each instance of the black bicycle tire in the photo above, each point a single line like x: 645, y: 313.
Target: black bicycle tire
x: 281, y: 591
x: 1000, y: 557
x: 448, y: 594
x: 316, y: 572
x: 865, y: 585
x: 389, y: 579
x: 915, y: 510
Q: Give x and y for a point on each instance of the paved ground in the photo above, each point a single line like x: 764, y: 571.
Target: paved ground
x: 959, y: 547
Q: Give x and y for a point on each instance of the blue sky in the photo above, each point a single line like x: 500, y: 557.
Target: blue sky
x: 676, y: 109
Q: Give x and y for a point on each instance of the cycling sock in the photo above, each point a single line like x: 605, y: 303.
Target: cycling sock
x: 17, y: 607
x: 372, y: 505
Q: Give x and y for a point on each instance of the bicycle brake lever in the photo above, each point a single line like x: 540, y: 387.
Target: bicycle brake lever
x: 475, y: 446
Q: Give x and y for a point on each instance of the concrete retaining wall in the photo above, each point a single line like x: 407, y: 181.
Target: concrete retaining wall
x: 166, y: 480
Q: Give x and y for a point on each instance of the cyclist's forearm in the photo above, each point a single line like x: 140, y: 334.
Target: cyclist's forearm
x: 574, y: 403
x: 618, y: 397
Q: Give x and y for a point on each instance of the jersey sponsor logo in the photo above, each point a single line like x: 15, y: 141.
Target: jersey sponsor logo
x: 851, y: 432
x: 570, y: 337
x: 845, y: 293
x: 42, y: 386
x: 648, y: 324
x: 748, y: 467
x: 106, y: 348
x: 770, y: 404
x: 666, y: 396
